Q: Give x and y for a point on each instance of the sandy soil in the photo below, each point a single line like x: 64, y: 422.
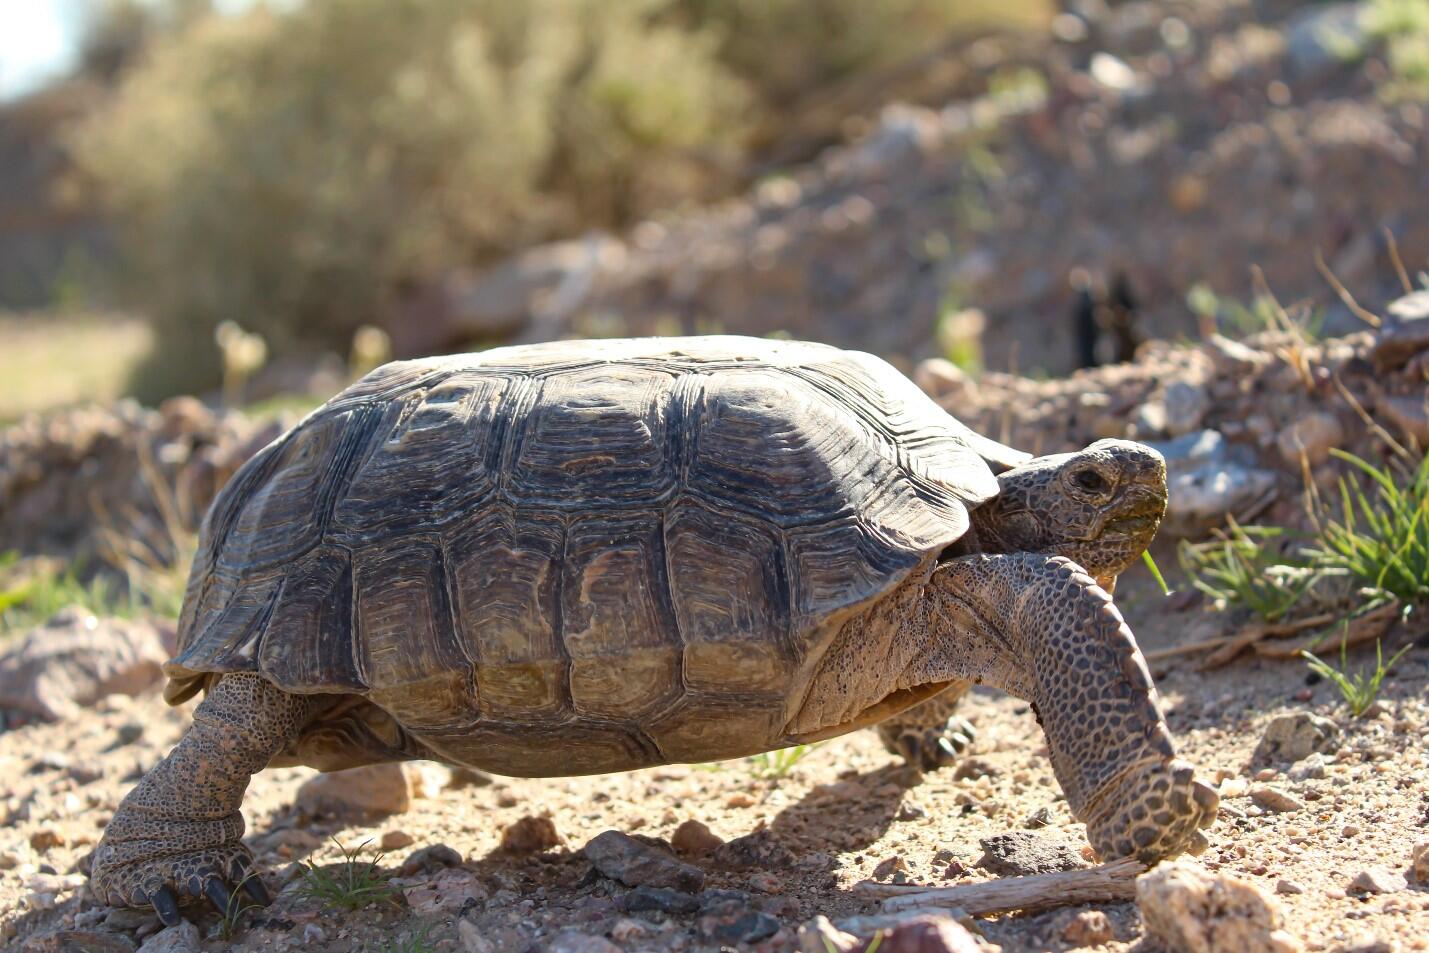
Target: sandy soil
x: 843, y: 813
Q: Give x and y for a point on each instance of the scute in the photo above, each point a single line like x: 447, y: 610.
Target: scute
x: 619, y: 537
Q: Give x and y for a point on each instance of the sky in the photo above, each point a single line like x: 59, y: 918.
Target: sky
x: 39, y: 40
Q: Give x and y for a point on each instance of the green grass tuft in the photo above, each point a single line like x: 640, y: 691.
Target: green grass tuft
x: 773, y: 765
x: 350, y: 885
x: 1358, y: 689
x: 1247, y: 567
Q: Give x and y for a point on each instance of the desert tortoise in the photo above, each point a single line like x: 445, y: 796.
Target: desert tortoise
x: 596, y: 556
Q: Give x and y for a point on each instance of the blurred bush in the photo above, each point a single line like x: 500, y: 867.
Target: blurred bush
x: 298, y: 171
x: 292, y: 172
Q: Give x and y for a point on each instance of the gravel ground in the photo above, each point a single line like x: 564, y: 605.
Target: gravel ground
x: 794, y: 846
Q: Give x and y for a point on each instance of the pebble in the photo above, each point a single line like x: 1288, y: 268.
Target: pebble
x: 1027, y: 852
x: 1190, y: 910
x: 1308, y: 769
x: 9, y: 860
x: 1296, y: 736
x: 1087, y: 928
x: 1273, y: 799
x: 531, y: 835
x: 733, y: 922
x: 572, y: 941
x: 1378, y: 880
x: 396, y: 840
x: 1289, y: 887
x: 78, y: 941
x: 374, y: 789
x: 471, y: 939
x: 1313, y: 434
x: 449, y: 892
x: 658, y: 900
x: 759, y: 848
x: 46, y: 838
x: 182, y: 938
x: 129, y: 919
x: 636, y: 863
x: 1420, y: 863
x: 924, y: 932
x: 693, y: 837
x: 425, y: 860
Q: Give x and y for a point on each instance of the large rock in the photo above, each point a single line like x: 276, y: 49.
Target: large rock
x: 375, y: 789
x: 1205, y: 482
x: 76, y: 658
x: 1295, y: 736
x: 1190, y: 910
x: 1019, y: 853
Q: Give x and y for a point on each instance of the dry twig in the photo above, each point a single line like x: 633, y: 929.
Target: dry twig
x: 1109, y: 882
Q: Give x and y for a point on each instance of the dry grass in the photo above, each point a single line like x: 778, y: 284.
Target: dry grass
x: 51, y: 360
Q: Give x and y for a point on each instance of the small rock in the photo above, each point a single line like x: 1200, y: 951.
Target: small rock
x: 928, y: 933
x: 757, y: 849
x: 733, y: 922
x: 1313, y: 434
x: 765, y: 882
x: 129, y: 919
x: 1186, y: 407
x: 1378, y: 880
x: 1296, y: 736
x: 1276, y: 800
x: 1409, y: 414
x: 821, y: 936
x: 1026, y: 852
x: 888, y: 867
x: 941, y: 379
x: 1086, y: 928
x: 9, y: 860
x: 693, y: 837
x: 971, y: 769
x: 46, y: 838
x: 1038, y: 819
x: 182, y: 938
x: 1369, y: 943
x: 658, y: 899
x: 58, y: 669
x: 1405, y: 332
x: 128, y: 733
x: 1420, y: 863
x: 1289, y: 887
x: 572, y: 941
x: 78, y: 941
x: 375, y: 789
x: 1189, y: 910
x: 448, y: 893
x: 1308, y: 769
x: 1322, y: 38
x: 471, y: 939
x: 636, y: 863
x: 426, y: 860
x: 396, y: 840
x: 531, y: 835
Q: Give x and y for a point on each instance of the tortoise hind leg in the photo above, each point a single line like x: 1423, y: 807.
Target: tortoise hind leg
x: 930, y: 735
x: 178, y: 834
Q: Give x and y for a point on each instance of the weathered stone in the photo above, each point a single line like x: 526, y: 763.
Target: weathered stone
x: 1313, y: 435
x: 396, y: 840
x: 693, y: 837
x: 446, y: 893
x: 658, y: 899
x: 1189, y: 910
x: 78, y: 941
x: 1378, y: 880
x: 1311, y: 768
x: 1405, y: 332
x: 1419, y: 863
x: 471, y: 939
x: 735, y: 922
x: 1186, y: 407
x: 1027, y: 852
x: 425, y: 860
x: 1273, y: 799
x: 1087, y: 928
x: 573, y: 941
x: 376, y: 789
x: 926, y: 932
x: 1295, y: 736
x: 182, y: 938
x: 1410, y: 415
x: 531, y: 835
x: 73, y: 660
x: 636, y: 863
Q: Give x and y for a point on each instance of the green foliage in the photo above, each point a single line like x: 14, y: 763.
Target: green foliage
x: 1358, y: 689
x: 1381, y: 538
x: 774, y: 765
x: 293, y: 171
x: 350, y: 884
x: 30, y: 593
x: 418, y: 942
x: 786, y: 48
x: 1403, y: 26
x: 236, y: 908
x: 1248, y: 567
x: 1155, y: 571
x: 1260, y: 314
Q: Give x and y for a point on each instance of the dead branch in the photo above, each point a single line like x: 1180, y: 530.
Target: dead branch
x: 1367, y: 317
x: 1364, y: 628
x: 1109, y: 882
x: 1254, y: 634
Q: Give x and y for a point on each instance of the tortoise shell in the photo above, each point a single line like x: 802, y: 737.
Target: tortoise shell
x: 587, y: 540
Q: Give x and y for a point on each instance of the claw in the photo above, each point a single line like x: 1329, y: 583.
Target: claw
x: 166, y: 905
x: 253, y: 886
x: 218, y: 894
x: 949, y: 749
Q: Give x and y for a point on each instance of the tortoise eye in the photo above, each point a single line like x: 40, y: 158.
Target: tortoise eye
x: 1089, y: 480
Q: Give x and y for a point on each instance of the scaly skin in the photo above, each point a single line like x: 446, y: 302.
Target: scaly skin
x: 1099, y: 507
x: 178, y: 834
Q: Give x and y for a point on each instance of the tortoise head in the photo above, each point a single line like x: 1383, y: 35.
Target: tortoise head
x: 1099, y: 507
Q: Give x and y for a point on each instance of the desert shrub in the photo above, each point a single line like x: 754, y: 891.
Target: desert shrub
x: 293, y: 171
x: 1403, y: 26
x: 788, y: 48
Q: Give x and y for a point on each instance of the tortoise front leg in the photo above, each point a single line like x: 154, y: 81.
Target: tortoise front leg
x: 178, y: 834
x: 1040, y: 628
x: 930, y: 735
